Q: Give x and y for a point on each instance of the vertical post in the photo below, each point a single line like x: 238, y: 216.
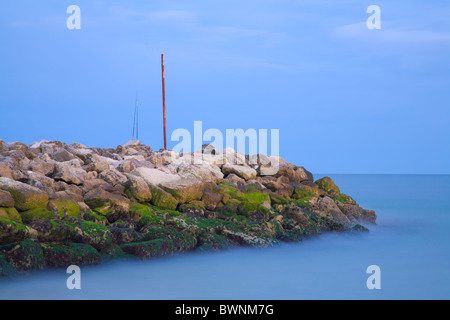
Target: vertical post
x: 164, y: 99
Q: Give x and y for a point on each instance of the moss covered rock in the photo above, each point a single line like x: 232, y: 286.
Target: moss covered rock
x: 36, y: 214
x: 25, y: 196
x: 63, y: 206
x: 13, y: 231
x: 64, y: 255
x: 328, y: 185
x: 10, y: 213
x: 24, y: 256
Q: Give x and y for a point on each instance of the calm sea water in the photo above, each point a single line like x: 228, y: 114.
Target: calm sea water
x: 410, y: 243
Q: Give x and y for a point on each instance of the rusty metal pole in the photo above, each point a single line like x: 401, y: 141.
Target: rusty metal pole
x: 164, y: 99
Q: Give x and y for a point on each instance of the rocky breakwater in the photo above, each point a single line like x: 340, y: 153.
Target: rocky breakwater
x: 66, y: 204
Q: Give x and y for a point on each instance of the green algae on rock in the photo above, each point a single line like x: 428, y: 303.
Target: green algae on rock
x: 69, y: 204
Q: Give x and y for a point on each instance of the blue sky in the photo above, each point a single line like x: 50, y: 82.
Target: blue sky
x: 346, y: 99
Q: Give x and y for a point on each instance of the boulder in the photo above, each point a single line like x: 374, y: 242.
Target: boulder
x: 165, y: 157
x: 128, y: 165
x: 328, y: 185
x: 246, y: 173
x: 6, y: 201
x: 303, y: 174
x: 62, y: 256
x: 112, y: 205
x: 10, y: 214
x: 185, y: 167
x: 40, y: 166
x: 25, y: 197
x: 184, y: 190
x: 70, y: 172
x: 62, y: 155
x: 12, y: 231
x: 297, y: 214
x: 113, y: 177
x: 25, y: 255
x: 6, y: 170
x: 162, y: 198
x: 211, y: 199
x: 137, y: 188
x: 328, y: 208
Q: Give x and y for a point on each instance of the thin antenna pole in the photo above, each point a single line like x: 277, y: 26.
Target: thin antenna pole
x: 164, y: 99
x: 135, y: 118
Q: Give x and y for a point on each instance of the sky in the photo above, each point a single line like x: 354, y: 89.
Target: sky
x: 345, y: 99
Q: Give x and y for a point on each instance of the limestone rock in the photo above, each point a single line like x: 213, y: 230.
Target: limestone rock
x: 211, y: 199
x: 246, y: 173
x: 137, y: 188
x: 70, y: 172
x: 25, y: 196
x: 6, y: 200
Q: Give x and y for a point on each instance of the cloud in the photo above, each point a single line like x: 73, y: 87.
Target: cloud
x: 390, y: 35
x: 177, y: 16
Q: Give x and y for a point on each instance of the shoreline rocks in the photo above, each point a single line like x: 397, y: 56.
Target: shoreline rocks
x: 68, y: 204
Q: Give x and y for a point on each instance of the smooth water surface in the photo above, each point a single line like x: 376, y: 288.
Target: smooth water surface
x: 410, y: 243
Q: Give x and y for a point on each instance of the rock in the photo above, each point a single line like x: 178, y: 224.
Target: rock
x: 62, y: 155
x: 211, y: 199
x: 234, y: 179
x: 328, y: 185
x: 70, y: 172
x: 97, y: 167
x: 186, y: 168
x: 248, y: 240
x: 6, y: 200
x: 154, y: 176
x: 16, y: 146
x: 133, y: 143
x: 6, y: 170
x: 128, y: 165
x: 209, y: 149
x: 137, y: 188
x: 297, y: 214
x: 232, y: 157
x: 68, y: 191
x: 165, y: 157
x: 149, y: 249
x: 162, y: 199
x: 43, y: 167
x: 328, y: 208
x: 184, y: 190
x: 246, y: 173
x: 39, y: 180
x: 303, y: 174
x: 10, y: 214
x: 24, y: 256
x: 25, y: 197
x: 62, y: 256
x: 112, y: 205
x: 12, y: 231
x: 193, y: 209
x: 305, y: 192
x: 95, y: 158
x: 113, y: 177
x: 64, y: 206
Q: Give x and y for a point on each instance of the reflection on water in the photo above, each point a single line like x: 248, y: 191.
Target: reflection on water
x: 410, y: 244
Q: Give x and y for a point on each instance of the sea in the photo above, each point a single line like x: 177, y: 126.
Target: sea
x: 409, y: 245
